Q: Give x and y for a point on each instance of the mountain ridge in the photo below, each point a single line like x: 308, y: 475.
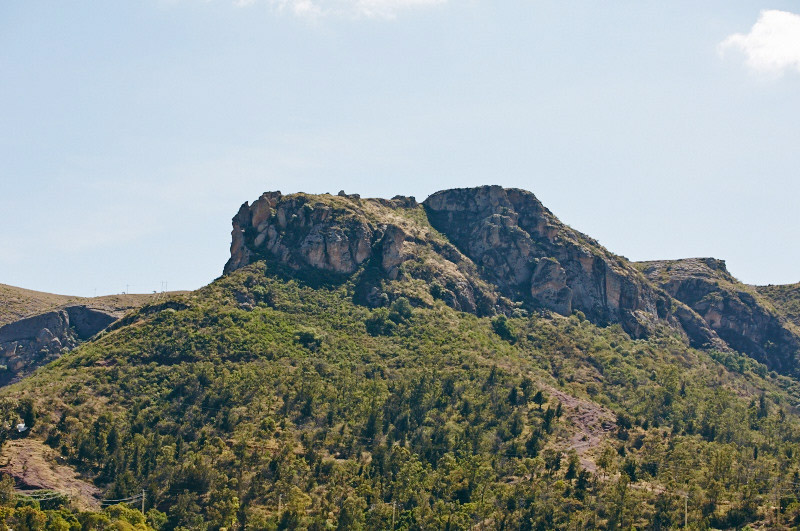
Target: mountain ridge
x: 487, y: 250
x: 374, y: 364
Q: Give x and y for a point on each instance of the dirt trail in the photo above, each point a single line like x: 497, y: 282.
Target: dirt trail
x: 34, y: 466
x: 591, y: 422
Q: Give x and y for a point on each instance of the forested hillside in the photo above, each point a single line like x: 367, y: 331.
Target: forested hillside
x: 359, y: 367
x: 264, y: 403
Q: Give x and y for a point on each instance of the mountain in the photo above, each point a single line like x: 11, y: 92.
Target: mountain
x: 37, y: 327
x: 786, y: 299
x: 467, y: 361
x: 745, y: 319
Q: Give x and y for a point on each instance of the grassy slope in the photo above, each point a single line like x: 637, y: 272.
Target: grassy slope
x: 18, y: 303
x: 254, y: 389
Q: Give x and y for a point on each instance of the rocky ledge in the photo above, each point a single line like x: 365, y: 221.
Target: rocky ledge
x: 483, y: 250
x: 34, y: 341
x: 737, y: 313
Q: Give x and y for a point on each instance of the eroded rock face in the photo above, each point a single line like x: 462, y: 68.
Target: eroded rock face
x: 522, y: 248
x: 734, y: 311
x: 549, y: 285
x: 34, y: 341
x: 300, y: 233
x: 345, y: 235
x: 480, y: 250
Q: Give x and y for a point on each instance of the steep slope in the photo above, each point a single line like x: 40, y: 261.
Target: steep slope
x: 786, y: 300
x: 736, y: 312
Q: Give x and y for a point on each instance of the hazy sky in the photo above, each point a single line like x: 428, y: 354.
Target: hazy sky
x: 130, y: 132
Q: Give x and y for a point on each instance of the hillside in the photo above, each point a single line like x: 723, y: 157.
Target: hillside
x: 19, y: 303
x: 42, y: 326
x: 785, y: 298
x: 254, y: 388
x: 377, y: 364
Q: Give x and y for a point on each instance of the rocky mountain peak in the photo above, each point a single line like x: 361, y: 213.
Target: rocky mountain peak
x: 482, y: 250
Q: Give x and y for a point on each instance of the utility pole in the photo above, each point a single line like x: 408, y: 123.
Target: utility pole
x: 280, y: 498
x: 394, y: 506
x: 686, y: 510
x: 142, y: 501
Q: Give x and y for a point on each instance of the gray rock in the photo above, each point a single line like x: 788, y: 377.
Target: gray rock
x: 34, y: 341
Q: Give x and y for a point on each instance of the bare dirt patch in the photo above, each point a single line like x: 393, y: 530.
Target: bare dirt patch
x: 590, y: 424
x: 35, y: 466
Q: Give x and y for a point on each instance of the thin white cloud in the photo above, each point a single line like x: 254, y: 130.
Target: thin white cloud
x: 389, y: 8
x: 773, y: 44
x: 386, y: 9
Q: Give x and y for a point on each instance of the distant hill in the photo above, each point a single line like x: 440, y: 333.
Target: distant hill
x: 38, y: 327
x: 468, y: 362
x: 18, y: 303
x: 743, y: 316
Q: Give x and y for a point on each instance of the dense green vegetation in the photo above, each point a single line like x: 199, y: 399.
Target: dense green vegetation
x: 262, y: 403
x: 51, y: 510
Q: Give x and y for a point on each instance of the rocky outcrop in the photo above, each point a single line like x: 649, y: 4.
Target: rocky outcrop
x: 736, y: 312
x: 383, y: 243
x: 300, y: 234
x: 522, y: 248
x: 34, y: 341
x: 482, y: 250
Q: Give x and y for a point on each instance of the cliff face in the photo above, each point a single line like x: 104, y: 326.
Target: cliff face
x: 745, y: 320
x: 386, y: 244
x: 522, y: 248
x: 481, y: 250
x: 34, y: 341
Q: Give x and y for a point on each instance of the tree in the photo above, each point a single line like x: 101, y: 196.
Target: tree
x: 351, y: 515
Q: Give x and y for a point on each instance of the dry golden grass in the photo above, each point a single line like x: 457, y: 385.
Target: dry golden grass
x: 18, y: 303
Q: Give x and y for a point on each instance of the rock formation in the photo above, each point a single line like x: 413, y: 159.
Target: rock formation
x: 522, y: 248
x: 384, y: 243
x: 481, y: 250
x: 31, y: 342
x: 737, y: 313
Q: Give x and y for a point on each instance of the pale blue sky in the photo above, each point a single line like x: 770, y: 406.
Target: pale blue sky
x: 132, y: 131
